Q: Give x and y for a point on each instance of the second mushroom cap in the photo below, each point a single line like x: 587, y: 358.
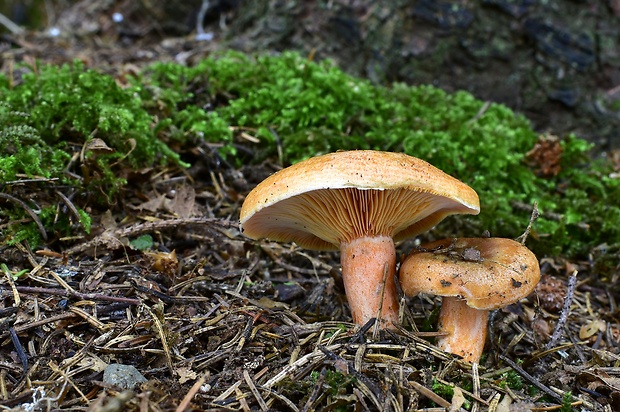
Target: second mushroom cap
x: 488, y: 273
x: 474, y: 276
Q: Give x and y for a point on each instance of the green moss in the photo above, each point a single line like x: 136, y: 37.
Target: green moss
x: 338, y: 383
x: 567, y: 402
x: 512, y: 380
x: 23, y: 232
x: 313, y: 108
x: 181, y: 95
x: 143, y: 242
x: 443, y: 390
x: 339, y: 328
x: 54, y: 110
x: 22, y: 148
x: 304, y: 108
x: 85, y: 220
x: 54, y: 221
x: 51, y: 114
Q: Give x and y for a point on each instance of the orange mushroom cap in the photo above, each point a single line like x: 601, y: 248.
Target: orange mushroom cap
x: 474, y: 276
x: 322, y: 201
x: 488, y: 273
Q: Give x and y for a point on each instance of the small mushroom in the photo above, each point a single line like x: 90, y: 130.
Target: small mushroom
x: 359, y: 202
x: 474, y: 276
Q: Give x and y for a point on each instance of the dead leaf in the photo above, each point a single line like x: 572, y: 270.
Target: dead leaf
x: 166, y: 263
x: 153, y: 205
x: 599, y: 381
x: 457, y: 400
x: 107, y: 220
x: 267, y: 303
x: 183, y: 202
x: 97, y: 146
x: 93, y: 362
x: 591, y: 328
x: 186, y: 374
x: 504, y: 404
x: 546, y: 155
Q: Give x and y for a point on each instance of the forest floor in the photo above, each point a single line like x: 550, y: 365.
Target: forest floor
x: 216, y: 321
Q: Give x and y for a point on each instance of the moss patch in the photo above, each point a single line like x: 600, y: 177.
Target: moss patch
x: 311, y: 108
x: 77, y: 128
x: 304, y: 108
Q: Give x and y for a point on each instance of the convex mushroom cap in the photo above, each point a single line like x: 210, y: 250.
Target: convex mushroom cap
x: 474, y: 275
x: 358, y: 201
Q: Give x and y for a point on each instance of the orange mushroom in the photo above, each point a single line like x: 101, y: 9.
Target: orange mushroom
x: 474, y: 276
x: 360, y: 202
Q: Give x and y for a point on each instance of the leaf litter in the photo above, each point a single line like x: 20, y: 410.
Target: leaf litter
x: 216, y: 321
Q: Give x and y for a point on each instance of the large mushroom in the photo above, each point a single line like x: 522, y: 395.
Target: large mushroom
x: 474, y: 276
x: 360, y: 202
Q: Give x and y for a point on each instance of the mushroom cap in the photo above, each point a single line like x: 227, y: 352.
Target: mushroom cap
x: 341, y: 196
x: 489, y: 273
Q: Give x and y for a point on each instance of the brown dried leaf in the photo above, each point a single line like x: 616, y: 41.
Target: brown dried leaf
x: 546, y: 155
x: 457, y: 400
x: 97, y: 146
x: 183, y: 203
x: 186, y: 374
x: 599, y: 381
x: 107, y: 220
x: 265, y: 302
x: 153, y: 205
x: 166, y: 263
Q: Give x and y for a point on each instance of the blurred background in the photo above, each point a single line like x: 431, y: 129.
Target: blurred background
x: 556, y: 61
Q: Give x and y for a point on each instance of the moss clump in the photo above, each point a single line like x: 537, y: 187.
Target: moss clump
x: 512, y: 380
x: 23, y: 149
x: 184, y: 98
x: 60, y: 106
x: 567, y: 402
x: 48, y: 119
x: 304, y: 108
x: 443, y: 390
x: 61, y: 224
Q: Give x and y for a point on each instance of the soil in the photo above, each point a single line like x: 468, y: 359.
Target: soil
x: 226, y: 323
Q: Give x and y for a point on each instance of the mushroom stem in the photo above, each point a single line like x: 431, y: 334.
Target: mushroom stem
x: 368, y: 267
x: 466, y: 328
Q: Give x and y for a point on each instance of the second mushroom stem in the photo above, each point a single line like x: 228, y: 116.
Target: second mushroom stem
x: 364, y: 261
x: 466, y: 329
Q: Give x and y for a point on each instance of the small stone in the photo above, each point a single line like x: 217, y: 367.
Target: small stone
x: 123, y: 376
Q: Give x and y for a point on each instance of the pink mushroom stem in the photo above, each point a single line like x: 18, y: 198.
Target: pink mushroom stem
x: 466, y: 329
x: 368, y: 267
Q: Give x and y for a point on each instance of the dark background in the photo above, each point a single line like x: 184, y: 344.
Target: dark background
x: 557, y: 61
